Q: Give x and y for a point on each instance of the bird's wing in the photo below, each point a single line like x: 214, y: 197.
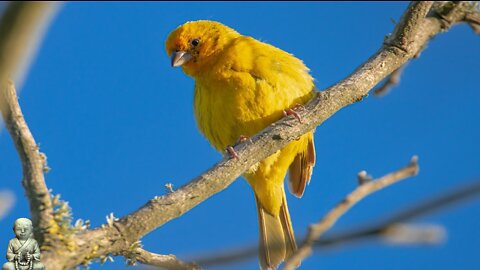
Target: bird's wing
x: 301, y: 169
x: 282, y: 71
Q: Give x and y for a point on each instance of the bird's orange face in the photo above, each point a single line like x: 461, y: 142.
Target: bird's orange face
x: 194, y: 44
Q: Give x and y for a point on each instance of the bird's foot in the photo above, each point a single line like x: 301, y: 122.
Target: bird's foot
x: 231, y: 152
x: 230, y: 149
x: 291, y: 111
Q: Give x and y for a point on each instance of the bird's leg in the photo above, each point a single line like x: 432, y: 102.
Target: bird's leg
x: 231, y: 151
x: 291, y: 111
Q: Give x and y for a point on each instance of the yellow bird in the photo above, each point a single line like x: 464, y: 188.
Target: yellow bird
x: 243, y: 85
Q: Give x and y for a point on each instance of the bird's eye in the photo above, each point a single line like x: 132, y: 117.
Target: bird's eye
x: 195, y: 42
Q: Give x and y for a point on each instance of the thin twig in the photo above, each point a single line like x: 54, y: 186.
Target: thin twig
x: 318, y: 229
x: 33, y: 162
x: 409, y: 27
x: 418, y: 209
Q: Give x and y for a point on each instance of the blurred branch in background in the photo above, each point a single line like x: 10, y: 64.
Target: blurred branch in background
x: 395, y: 229
x: 22, y: 27
x: 7, y: 199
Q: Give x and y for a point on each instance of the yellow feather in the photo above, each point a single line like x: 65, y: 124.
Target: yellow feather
x: 243, y: 85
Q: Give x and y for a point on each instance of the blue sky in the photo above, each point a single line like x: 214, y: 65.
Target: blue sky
x: 116, y: 123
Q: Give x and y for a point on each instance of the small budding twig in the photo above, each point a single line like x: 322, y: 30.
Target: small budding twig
x: 169, y: 187
x: 363, y: 178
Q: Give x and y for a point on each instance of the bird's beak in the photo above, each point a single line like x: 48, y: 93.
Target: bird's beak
x: 179, y: 58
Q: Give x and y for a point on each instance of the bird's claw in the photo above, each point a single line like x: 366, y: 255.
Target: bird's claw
x: 230, y: 149
x: 232, y: 153
x: 291, y: 111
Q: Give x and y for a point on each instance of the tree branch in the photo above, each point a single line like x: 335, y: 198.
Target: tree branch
x: 33, y: 162
x: 316, y: 230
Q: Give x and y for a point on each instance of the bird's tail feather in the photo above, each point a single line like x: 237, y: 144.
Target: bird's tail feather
x: 277, y: 240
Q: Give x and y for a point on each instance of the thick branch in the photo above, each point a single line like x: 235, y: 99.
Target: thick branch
x: 316, y: 230
x: 410, y: 26
x: 410, y: 36
x: 33, y: 162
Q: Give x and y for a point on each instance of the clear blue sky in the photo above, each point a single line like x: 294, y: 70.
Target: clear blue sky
x: 116, y: 123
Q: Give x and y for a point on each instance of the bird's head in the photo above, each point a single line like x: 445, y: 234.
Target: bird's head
x: 194, y: 45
